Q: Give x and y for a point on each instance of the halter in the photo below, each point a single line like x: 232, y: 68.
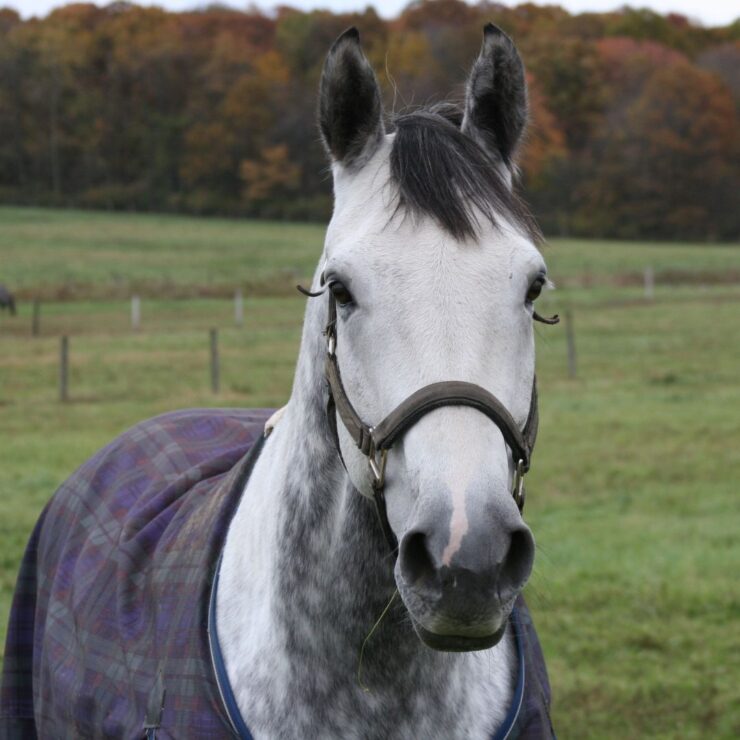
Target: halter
x: 375, y: 441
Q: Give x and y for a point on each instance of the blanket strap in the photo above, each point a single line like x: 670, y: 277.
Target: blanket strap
x: 155, y: 707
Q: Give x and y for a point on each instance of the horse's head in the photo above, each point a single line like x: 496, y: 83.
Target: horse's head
x: 433, y: 268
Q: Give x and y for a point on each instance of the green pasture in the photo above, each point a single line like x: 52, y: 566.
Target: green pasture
x: 633, y: 498
x: 63, y: 254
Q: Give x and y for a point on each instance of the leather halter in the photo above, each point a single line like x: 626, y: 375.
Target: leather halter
x: 375, y: 441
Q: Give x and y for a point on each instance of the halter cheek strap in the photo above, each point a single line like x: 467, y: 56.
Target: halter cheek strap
x: 374, y: 442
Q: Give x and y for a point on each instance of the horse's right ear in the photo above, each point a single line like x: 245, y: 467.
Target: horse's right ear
x: 350, y: 108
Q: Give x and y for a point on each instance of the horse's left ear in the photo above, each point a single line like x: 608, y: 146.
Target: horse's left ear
x: 496, y: 98
x: 350, y: 108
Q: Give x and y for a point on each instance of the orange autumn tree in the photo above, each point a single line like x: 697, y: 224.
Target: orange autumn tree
x: 544, y: 145
x: 271, y: 176
x: 663, y: 155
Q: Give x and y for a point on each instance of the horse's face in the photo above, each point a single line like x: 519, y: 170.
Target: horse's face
x: 437, y: 288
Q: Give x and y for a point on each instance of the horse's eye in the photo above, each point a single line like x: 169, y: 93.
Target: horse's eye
x: 535, y: 289
x: 340, y: 293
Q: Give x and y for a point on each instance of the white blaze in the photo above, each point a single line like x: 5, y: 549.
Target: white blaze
x: 459, y: 525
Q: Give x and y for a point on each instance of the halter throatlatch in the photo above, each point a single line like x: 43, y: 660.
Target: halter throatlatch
x: 375, y: 441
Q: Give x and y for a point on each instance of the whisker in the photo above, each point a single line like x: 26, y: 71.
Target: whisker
x: 366, y: 640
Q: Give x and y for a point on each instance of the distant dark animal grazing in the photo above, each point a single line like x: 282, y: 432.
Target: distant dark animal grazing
x: 355, y: 572
x: 7, y: 300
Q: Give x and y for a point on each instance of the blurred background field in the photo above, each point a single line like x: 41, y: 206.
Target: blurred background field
x: 633, y: 499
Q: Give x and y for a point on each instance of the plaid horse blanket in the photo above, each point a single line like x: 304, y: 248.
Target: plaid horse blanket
x: 112, y: 629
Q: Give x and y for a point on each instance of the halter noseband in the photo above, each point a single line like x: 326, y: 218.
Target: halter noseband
x: 374, y: 442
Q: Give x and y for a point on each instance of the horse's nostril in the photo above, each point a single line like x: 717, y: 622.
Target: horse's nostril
x: 416, y: 562
x: 517, y: 564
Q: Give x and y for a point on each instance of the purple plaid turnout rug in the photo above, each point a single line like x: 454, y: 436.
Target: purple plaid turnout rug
x: 112, y: 629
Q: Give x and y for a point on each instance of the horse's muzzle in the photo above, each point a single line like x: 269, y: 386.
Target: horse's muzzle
x: 463, y: 604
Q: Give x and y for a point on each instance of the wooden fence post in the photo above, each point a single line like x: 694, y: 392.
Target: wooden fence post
x: 36, y: 318
x: 571, y: 341
x: 64, y: 369
x: 135, y: 312
x: 238, y: 308
x: 649, y: 283
x: 215, y: 365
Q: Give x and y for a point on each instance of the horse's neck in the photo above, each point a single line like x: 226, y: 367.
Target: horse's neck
x: 305, y: 574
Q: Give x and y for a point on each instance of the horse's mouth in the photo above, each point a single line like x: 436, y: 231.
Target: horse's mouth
x: 459, y: 643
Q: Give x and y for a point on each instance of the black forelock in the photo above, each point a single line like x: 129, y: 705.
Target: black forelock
x: 440, y: 172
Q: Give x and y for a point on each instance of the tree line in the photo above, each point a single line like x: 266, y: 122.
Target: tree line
x: 634, y: 127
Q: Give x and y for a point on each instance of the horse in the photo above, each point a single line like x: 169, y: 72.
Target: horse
x: 352, y: 566
x: 7, y: 300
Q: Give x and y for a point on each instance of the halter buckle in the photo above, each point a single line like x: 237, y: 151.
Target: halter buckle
x: 518, y: 487
x: 377, y: 467
x: 331, y: 337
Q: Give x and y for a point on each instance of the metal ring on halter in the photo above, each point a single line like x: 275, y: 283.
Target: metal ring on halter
x: 518, y: 487
x: 377, y: 467
x: 331, y: 344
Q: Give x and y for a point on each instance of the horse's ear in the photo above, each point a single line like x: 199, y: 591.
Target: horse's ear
x: 350, y: 108
x: 496, y: 98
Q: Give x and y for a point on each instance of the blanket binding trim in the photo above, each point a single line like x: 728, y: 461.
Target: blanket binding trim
x: 238, y: 726
x: 512, y: 715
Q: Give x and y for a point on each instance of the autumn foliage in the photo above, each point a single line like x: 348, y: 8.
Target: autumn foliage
x: 634, y: 128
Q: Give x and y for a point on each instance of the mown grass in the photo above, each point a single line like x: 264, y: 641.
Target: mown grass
x: 633, y: 497
x: 65, y: 254
x: 69, y: 254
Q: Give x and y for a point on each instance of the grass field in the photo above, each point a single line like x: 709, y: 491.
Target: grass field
x: 633, y: 498
x: 107, y: 255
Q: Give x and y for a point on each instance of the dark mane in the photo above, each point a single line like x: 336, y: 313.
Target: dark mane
x: 442, y: 173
